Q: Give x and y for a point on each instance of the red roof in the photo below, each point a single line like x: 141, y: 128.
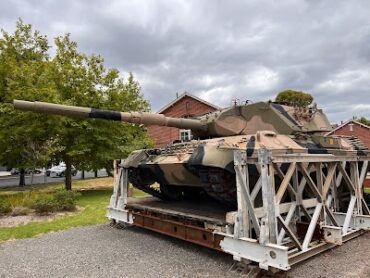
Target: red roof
x: 186, y: 94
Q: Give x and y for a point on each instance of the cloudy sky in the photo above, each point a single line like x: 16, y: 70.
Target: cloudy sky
x: 221, y: 50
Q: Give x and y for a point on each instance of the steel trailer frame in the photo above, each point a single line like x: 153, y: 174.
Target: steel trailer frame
x: 299, y: 206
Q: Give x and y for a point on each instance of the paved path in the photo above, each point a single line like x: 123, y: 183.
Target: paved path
x: 104, y: 251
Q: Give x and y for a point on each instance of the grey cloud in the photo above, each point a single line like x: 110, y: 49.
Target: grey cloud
x: 222, y: 50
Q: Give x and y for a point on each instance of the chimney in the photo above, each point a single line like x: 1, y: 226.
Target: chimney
x: 177, y: 94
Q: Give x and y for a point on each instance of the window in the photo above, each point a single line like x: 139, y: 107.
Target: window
x: 185, y: 135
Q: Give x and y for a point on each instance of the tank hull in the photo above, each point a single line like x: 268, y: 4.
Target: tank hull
x: 209, y: 164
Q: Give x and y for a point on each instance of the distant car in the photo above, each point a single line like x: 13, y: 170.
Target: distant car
x: 15, y: 171
x: 59, y: 171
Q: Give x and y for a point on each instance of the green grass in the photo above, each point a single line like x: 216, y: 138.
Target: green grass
x: 99, y: 183
x: 94, y: 203
x: 94, y: 199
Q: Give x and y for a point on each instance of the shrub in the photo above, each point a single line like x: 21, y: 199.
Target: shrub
x: 17, y: 211
x: 5, y: 207
x: 44, y: 205
x: 24, y: 199
x: 65, y: 200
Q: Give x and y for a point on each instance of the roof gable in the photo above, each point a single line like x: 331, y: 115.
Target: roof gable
x: 346, y: 123
x: 182, y: 96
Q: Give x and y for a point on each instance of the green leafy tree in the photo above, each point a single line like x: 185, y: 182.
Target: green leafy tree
x: 364, y: 121
x: 84, y: 81
x: 294, y: 98
x: 24, y: 74
x: 69, y: 77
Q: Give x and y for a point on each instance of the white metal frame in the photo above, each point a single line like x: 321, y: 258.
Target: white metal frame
x: 117, y: 206
x: 323, y: 190
x: 292, y: 188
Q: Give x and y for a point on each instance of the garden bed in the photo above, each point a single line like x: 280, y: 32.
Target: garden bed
x: 7, y: 221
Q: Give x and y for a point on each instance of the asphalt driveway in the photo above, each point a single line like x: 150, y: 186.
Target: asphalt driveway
x: 105, y: 251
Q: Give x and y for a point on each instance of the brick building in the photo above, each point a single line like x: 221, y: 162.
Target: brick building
x: 184, y: 106
x: 353, y: 128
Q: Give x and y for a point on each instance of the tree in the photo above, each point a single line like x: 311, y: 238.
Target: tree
x: 364, y: 121
x: 294, y: 98
x: 72, y: 78
x: 24, y: 74
x: 84, y: 81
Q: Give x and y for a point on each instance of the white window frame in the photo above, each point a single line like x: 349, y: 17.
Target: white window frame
x: 185, y: 135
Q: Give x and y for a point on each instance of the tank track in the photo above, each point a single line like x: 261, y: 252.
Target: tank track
x: 136, y: 181
x: 220, y: 185
x: 217, y: 183
x: 163, y: 192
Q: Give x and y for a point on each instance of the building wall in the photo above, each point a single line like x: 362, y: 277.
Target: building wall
x: 363, y: 133
x: 184, y: 108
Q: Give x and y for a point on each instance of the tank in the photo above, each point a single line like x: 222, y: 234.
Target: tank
x: 204, y: 166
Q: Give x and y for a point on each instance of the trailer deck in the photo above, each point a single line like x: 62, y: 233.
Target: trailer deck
x: 195, y: 210
x: 193, y: 221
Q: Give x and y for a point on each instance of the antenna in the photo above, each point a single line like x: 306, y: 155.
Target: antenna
x: 235, y: 102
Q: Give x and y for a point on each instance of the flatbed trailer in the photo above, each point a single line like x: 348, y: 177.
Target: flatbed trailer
x: 192, y: 221
x: 317, y: 215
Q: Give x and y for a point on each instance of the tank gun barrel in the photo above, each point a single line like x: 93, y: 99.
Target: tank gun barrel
x: 144, y: 118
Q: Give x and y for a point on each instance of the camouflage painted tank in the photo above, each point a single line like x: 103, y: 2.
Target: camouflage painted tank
x: 205, y: 164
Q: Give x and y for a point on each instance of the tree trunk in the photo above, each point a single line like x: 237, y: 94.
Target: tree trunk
x: 22, y: 178
x: 95, y: 173
x: 109, y: 172
x: 83, y: 174
x: 45, y: 176
x: 32, y: 173
x: 68, y: 174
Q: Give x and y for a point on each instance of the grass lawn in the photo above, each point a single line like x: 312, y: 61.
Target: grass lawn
x: 94, y: 199
x: 95, y: 184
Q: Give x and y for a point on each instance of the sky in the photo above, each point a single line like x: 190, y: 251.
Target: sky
x: 221, y: 50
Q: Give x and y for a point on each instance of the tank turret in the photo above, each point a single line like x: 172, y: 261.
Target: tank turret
x: 236, y: 120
